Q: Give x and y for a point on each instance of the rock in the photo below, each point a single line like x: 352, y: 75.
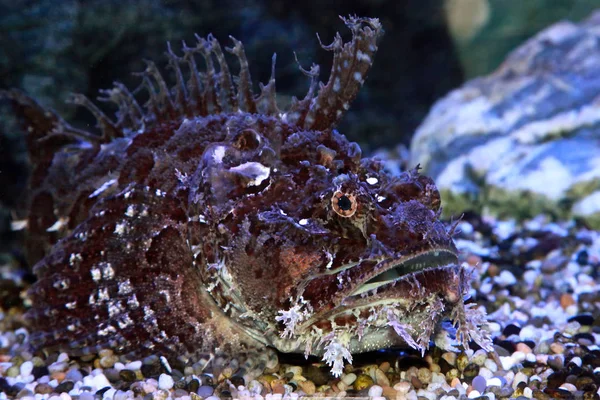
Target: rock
x: 375, y: 391
x: 523, y: 140
x: 165, y: 382
x: 127, y: 375
x: 363, y: 381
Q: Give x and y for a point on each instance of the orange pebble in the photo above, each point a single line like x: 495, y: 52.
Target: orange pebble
x: 473, y: 260
x: 59, y: 376
x: 523, y: 348
x: 566, y: 300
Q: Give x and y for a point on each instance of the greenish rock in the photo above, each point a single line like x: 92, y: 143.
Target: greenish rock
x: 523, y: 140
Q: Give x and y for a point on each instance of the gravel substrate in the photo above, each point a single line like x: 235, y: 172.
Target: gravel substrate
x: 537, y: 281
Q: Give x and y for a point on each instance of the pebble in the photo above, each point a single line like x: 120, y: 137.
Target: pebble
x: 402, y: 387
x: 380, y: 378
x: 205, y: 391
x: 375, y: 391
x: 349, y: 379
x: 65, y: 386
x: 134, y: 365
x: 363, y: 381
x: 479, y: 383
x: 450, y: 358
x: 26, y: 368
x: 43, y: 388
x: 74, y: 375
x: 424, y: 375
x: 127, y: 375
x: 165, y: 382
x: 495, y: 381
x: 308, y: 387
x: 568, y: 386
x: 519, y: 377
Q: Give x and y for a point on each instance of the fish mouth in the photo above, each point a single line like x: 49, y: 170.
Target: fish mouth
x: 388, y: 282
x: 392, y: 270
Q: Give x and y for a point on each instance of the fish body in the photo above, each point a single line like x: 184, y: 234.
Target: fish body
x: 210, y: 219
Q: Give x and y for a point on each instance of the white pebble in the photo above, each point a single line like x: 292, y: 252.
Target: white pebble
x: 518, y: 356
x: 165, y: 382
x: 375, y: 391
x: 519, y: 377
x: 473, y: 394
x: 506, y: 278
x: 109, y: 394
x: 348, y: 379
x: 568, y: 386
x: 507, y: 362
x: 26, y: 368
x: 134, y: 365
x: 119, y: 366
x: 527, y: 392
x: 574, y: 360
x: 486, y: 373
x: 491, y: 365
x: 404, y: 387
x: 99, y: 381
x: 495, y: 381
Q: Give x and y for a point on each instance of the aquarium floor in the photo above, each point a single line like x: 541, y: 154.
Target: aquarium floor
x: 538, y: 282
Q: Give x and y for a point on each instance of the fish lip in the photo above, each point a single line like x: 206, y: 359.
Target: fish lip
x: 433, y: 258
x: 437, y: 258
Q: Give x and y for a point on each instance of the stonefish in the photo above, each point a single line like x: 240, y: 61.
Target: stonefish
x: 210, y: 220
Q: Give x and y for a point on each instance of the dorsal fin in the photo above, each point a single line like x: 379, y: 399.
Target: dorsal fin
x: 213, y: 91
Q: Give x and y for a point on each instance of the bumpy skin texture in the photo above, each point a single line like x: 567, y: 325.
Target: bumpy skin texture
x: 211, y: 219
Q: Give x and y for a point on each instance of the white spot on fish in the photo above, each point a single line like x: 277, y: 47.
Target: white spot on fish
x: 103, y: 187
x: 130, y: 210
x: 218, y: 154
x: 336, y: 85
x: 75, y: 258
x: 253, y: 170
x: 96, y: 274
x: 120, y: 228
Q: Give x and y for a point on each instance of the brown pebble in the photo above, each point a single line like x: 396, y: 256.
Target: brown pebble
x: 493, y: 270
x: 385, y: 366
x: 59, y: 376
x: 557, y: 347
x: 307, y: 387
x: 278, y: 388
x: 473, y: 260
x: 539, y: 395
x: 416, y: 383
x: 43, y: 388
x: 389, y: 392
x: 381, y: 379
x: 523, y: 348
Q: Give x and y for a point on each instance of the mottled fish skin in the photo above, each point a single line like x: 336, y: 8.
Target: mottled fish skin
x: 209, y: 218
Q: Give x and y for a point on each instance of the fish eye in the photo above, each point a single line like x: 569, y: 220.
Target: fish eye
x: 344, y: 204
